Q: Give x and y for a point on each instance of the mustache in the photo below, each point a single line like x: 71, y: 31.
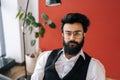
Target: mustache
x: 73, y: 42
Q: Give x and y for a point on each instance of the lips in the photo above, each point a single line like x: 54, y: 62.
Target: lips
x: 71, y: 44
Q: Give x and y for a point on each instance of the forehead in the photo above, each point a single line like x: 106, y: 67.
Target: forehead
x: 73, y: 27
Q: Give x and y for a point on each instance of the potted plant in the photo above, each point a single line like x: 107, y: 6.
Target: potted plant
x: 30, y: 24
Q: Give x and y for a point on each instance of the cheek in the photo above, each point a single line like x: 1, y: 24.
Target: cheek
x: 79, y: 40
x: 65, y: 40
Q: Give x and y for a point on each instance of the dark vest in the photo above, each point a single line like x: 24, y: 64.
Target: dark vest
x: 78, y: 72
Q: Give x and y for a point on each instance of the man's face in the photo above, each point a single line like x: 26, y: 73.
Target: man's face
x: 73, y: 36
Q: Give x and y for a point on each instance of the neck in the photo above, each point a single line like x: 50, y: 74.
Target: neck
x: 68, y: 56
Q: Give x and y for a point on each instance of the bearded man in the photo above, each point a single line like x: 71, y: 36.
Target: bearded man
x: 70, y: 62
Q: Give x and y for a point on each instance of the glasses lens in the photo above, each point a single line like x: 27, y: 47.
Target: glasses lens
x: 77, y: 34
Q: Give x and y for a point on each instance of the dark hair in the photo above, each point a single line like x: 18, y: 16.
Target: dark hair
x: 76, y: 18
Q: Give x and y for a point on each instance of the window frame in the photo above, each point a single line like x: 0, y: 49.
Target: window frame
x: 2, y: 41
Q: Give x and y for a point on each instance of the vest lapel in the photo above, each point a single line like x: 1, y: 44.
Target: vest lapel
x: 76, y: 67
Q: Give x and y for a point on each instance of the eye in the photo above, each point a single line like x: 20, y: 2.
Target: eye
x: 68, y: 33
x: 76, y: 34
x: 79, y: 33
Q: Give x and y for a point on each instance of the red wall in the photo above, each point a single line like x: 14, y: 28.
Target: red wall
x: 103, y: 36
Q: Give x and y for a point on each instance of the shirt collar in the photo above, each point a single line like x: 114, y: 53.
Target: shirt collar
x: 80, y: 53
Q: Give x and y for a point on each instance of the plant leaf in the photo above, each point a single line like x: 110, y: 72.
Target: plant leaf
x: 30, y: 29
x: 36, y: 24
x: 18, y: 14
x: 52, y: 25
x: 29, y: 14
x: 36, y: 34
x: 21, y: 15
x: 41, y: 32
x: 33, y: 42
x: 49, y: 22
x: 31, y: 17
x: 27, y: 22
x: 44, y: 16
x: 39, y: 24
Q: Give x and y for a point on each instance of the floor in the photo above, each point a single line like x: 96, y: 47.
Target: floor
x: 16, y: 72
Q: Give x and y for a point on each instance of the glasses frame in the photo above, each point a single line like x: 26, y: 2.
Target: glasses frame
x: 76, y: 34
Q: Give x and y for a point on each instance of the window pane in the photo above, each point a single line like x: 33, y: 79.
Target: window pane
x: 2, y: 44
x: 0, y: 48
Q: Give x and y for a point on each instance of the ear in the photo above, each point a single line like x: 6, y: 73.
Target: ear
x: 62, y: 34
x: 84, y: 34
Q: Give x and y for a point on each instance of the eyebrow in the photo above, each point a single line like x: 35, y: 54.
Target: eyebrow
x: 74, y: 31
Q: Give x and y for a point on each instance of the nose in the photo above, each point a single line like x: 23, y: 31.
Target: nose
x: 72, y: 37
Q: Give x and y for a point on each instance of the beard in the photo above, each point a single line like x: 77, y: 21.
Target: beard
x: 73, y: 47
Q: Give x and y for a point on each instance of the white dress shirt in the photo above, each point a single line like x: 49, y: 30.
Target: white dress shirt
x: 63, y: 65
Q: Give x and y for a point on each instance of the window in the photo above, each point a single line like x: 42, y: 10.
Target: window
x: 2, y: 44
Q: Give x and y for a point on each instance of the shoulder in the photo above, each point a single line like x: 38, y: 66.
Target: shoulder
x: 44, y: 55
x: 96, y: 65
x: 96, y: 70
x: 97, y: 62
x: 42, y: 58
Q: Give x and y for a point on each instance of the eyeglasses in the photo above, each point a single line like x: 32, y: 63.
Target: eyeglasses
x: 77, y: 34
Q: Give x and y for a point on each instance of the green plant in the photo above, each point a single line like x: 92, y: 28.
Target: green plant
x: 30, y: 23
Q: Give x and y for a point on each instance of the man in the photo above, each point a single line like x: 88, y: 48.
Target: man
x: 70, y: 62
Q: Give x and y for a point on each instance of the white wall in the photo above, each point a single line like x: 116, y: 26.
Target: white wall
x: 12, y: 32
